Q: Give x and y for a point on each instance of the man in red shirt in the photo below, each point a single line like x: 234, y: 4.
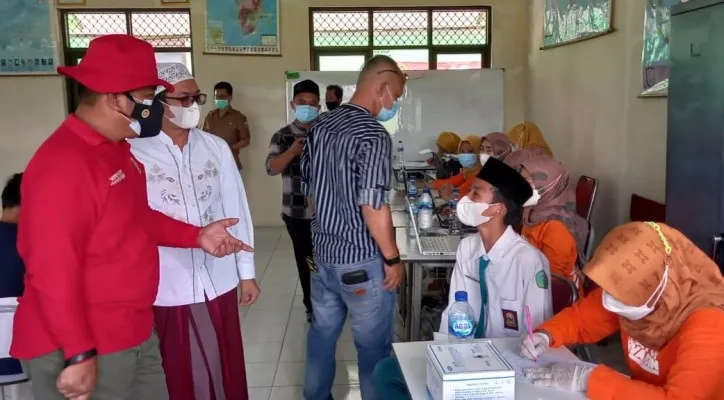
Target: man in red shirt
x: 89, y: 240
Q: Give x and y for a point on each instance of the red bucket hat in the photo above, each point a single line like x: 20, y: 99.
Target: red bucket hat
x: 117, y: 64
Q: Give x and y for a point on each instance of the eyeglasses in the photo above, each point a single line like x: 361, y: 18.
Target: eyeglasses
x: 186, y: 101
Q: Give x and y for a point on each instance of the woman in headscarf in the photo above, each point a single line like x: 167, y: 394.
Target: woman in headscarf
x: 528, y: 136
x: 665, y: 297
x: 447, y: 143
x: 550, y: 220
x: 516, y: 158
x: 470, y: 161
x: 496, y: 144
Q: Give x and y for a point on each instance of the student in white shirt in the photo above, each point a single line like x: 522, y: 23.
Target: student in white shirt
x: 501, y: 272
x: 193, y: 177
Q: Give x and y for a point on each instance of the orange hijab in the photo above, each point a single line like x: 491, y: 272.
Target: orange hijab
x: 629, y: 264
x: 528, y: 136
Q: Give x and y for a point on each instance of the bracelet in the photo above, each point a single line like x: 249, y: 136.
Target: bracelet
x: 77, y: 359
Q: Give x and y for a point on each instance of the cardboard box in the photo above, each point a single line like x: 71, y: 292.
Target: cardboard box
x: 472, y: 370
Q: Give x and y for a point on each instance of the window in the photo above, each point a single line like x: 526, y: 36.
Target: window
x: 418, y: 38
x: 169, y: 31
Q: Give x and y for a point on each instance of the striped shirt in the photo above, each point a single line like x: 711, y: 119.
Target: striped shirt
x: 346, y: 164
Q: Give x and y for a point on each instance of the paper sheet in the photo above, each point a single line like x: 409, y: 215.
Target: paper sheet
x: 416, y: 164
x: 425, y: 151
x: 520, y: 363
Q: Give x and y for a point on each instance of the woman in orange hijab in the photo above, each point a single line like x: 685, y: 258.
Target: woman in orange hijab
x: 528, y: 136
x: 665, y: 297
x: 470, y: 161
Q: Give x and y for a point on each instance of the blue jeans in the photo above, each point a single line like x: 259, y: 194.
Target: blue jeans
x: 370, y: 309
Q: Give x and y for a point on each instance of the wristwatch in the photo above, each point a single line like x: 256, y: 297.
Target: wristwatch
x: 79, y: 358
x: 392, y: 261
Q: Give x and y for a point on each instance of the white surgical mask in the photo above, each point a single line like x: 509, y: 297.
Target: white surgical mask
x: 634, y: 313
x: 185, y: 117
x: 533, y: 200
x: 470, y: 213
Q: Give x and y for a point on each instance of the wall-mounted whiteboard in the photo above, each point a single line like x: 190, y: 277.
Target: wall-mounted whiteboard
x: 463, y: 101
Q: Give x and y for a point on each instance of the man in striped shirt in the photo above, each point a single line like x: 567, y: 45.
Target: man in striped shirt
x: 346, y: 168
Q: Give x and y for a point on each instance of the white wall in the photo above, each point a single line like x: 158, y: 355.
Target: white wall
x: 32, y: 107
x: 584, y: 97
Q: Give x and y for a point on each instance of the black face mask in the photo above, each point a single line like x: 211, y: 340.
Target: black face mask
x: 148, y: 117
x: 331, y: 105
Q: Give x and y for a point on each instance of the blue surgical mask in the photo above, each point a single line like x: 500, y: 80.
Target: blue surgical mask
x: 467, y: 160
x: 387, y: 114
x: 305, y: 114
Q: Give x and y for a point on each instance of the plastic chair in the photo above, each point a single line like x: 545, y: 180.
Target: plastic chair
x: 563, y: 292
x: 585, y: 196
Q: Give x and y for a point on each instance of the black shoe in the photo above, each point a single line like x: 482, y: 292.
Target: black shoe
x: 310, y: 315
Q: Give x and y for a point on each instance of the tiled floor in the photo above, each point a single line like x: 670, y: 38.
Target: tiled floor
x: 275, y: 329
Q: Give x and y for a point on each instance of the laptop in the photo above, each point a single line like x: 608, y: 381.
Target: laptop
x: 444, y: 245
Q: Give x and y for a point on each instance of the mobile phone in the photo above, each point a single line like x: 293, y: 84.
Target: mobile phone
x: 355, y: 277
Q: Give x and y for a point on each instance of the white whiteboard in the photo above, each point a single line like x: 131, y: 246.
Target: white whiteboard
x: 462, y: 101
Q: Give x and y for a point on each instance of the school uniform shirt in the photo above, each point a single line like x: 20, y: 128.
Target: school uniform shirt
x: 198, y: 184
x: 89, y: 242
x: 688, y: 367
x: 517, y: 275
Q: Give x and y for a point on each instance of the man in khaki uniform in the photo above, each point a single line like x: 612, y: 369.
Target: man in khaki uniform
x: 227, y: 122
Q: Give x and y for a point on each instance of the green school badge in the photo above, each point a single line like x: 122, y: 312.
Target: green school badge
x: 541, y: 279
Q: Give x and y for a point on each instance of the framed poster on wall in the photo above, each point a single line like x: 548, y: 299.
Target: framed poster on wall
x: 655, y: 53
x: 242, y: 27
x: 570, y: 21
x: 27, y: 42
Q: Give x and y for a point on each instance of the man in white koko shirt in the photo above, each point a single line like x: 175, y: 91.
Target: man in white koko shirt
x: 193, y: 177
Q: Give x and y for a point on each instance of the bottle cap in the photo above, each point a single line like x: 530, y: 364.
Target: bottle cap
x: 461, y: 296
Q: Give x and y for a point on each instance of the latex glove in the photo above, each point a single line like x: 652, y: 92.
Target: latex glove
x: 564, y: 376
x: 532, y: 349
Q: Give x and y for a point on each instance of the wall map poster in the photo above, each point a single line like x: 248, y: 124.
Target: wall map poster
x: 242, y: 27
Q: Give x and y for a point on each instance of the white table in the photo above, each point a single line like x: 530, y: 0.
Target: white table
x: 412, y: 357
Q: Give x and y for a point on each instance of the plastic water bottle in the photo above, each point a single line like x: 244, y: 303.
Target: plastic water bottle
x: 400, y: 153
x: 460, y: 318
x: 412, y: 214
x: 412, y: 188
x: 401, y: 180
x: 456, y: 226
x: 424, y: 217
x: 426, y: 198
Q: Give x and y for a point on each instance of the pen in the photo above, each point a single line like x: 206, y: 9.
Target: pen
x: 529, y: 322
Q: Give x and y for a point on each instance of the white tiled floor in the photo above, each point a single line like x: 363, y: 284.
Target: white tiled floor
x: 275, y: 329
